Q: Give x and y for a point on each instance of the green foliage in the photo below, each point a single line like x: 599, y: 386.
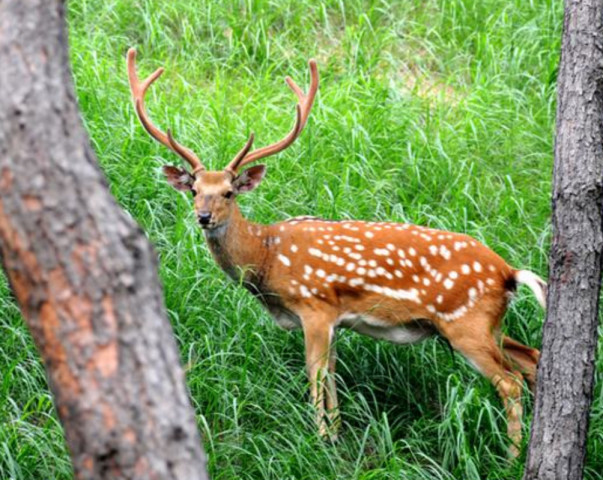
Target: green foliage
x: 437, y: 112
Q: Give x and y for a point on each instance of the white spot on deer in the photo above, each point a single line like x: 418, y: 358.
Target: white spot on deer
x: 465, y: 269
x: 359, y: 247
x: 492, y: 268
x: 321, y: 273
x: 398, y: 273
x: 336, y: 248
x: 391, y: 246
x: 423, y: 261
x: 347, y: 249
x: 426, y: 281
x: 383, y: 252
x: 372, y: 263
x: 409, y: 264
x: 294, y: 282
x: 472, y: 293
x: 355, y: 256
x: 355, y: 282
x: 458, y: 246
x: 282, y: 228
x: 350, y: 267
x: 308, y: 269
x: 348, y: 239
x: 294, y: 248
x: 361, y: 271
x: 315, y: 252
x: 490, y: 281
x: 415, y: 278
x: 369, y: 234
x: 445, y: 252
x: 380, y: 271
x: 303, y: 290
x: 449, y: 317
x: 453, y: 275
x: 477, y: 266
x: 412, y: 251
x: 440, y: 299
x: 448, y: 284
x: 315, y: 291
x: 320, y: 241
x: 401, y: 253
x: 371, y: 273
x: 284, y: 260
x: 433, y: 250
x: 431, y: 308
x: 398, y: 294
x: 389, y: 261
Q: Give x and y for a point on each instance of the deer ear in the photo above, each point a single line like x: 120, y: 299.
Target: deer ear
x: 178, y: 178
x: 249, y: 179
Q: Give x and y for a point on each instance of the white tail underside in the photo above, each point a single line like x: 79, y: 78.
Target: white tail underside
x: 536, y: 284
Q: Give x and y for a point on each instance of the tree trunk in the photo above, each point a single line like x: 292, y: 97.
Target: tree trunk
x: 82, y: 271
x: 565, y: 373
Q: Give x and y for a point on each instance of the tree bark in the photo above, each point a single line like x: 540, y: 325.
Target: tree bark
x: 565, y: 374
x: 83, y: 272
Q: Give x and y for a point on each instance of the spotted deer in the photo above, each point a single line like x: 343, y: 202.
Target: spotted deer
x: 392, y: 281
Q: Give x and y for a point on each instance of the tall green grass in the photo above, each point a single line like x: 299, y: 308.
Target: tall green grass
x: 438, y: 112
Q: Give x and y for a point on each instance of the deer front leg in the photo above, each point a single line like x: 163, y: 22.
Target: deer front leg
x: 318, y: 332
x: 332, y: 403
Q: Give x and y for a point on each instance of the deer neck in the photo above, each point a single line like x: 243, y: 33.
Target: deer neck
x: 239, y: 248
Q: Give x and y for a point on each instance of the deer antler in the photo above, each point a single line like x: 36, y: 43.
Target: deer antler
x: 302, y: 112
x: 139, y: 89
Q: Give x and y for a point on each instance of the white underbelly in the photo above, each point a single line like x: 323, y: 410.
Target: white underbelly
x: 376, y: 328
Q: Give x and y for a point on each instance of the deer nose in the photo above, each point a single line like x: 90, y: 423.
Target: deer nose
x: 204, y: 218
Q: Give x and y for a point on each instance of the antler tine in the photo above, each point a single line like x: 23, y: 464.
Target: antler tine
x: 303, y: 109
x: 139, y: 89
x: 306, y: 100
x: 234, y: 164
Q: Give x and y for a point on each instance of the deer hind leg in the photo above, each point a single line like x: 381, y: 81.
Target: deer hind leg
x: 318, y: 334
x: 524, y: 357
x: 485, y: 355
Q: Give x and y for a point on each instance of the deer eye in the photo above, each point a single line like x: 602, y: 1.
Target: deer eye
x: 193, y: 192
x: 228, y: 194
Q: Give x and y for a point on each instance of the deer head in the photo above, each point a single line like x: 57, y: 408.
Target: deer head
x: 215, y: 192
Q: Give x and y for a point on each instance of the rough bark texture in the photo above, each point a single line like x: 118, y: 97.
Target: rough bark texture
x: 83, y: 272
x: 565, y: 373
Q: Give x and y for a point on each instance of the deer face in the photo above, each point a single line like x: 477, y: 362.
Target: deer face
x: 214, y: 192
